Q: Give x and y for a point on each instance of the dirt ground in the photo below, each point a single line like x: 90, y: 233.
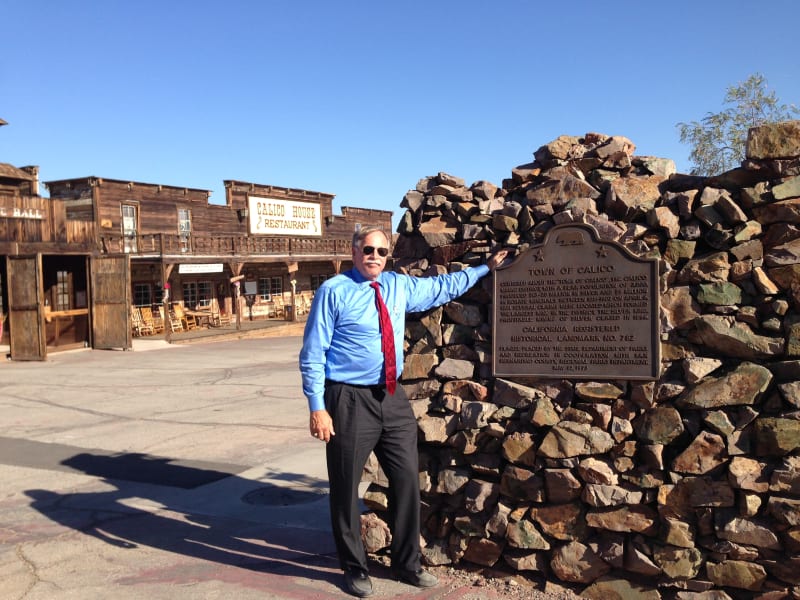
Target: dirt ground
x: 515, y: 586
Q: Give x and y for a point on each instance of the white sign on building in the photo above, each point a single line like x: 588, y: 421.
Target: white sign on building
x: 271, y: 216
x: 200, y: 268
x: 21, y: 213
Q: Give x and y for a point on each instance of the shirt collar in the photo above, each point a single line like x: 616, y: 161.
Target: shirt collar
x: 356, y: 276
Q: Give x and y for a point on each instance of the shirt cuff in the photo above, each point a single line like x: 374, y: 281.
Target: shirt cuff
x: 316, y: 403
x: 483, y: 270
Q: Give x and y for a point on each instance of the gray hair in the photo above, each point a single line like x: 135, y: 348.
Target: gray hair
x: 360, y: 235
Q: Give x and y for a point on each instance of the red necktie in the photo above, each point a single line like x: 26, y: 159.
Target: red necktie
x: 387, y: 341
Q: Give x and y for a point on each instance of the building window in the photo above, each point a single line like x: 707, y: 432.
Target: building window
x: 269, y: 287
x: 316, y: 281
x: 142, y: 294
x: 63, y: 290
x: 276, y: 286
x: 263, y: 288
x: 204, y: 293
x: 197, y: 293
x: 129, y: 227
x: 184, y: 227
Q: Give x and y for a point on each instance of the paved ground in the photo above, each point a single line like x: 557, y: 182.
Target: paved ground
x: 171, y: 471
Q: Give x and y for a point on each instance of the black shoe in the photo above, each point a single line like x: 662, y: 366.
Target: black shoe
x: 358, y: 583
x: 419, y: 578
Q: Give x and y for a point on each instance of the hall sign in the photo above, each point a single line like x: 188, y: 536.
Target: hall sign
x: 270, y: 216
x: 21, y: 213
x: 577, y: 307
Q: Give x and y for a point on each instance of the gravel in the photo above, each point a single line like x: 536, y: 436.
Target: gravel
x: 504, y: 584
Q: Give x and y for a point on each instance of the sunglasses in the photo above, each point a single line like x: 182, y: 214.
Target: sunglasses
x: 382, y: 252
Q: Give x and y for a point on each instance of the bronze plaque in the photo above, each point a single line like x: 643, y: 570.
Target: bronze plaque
x: 577, y: 307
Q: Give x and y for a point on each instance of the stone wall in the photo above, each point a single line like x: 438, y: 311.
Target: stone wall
x: 685, y: 487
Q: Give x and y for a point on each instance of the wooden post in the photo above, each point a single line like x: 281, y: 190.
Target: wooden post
x: 166, y: 271
x: 292, y: 268
x: 236, y: 280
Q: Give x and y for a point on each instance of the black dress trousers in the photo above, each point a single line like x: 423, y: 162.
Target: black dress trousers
x: 366, y: 419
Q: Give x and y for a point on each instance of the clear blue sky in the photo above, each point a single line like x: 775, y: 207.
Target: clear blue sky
x: 362, y: 99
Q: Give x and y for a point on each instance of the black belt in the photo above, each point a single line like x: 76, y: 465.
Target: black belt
x: 374, y: 386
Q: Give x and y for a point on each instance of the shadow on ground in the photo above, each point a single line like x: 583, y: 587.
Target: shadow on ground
x: 249, y: 545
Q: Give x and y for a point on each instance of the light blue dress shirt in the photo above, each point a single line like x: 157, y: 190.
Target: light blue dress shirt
x: 342, y: 340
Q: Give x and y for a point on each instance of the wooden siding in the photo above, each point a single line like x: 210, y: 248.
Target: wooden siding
x: 79, y: 232
x: 100, y: 201
x: 236, y: 193
x: 345, y: 224
x: 33, y: 229
x: 216, y: 230
x: 45, y: 226
x: 19, y: 181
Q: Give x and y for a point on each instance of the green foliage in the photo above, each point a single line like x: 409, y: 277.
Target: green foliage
x: 718, y: 141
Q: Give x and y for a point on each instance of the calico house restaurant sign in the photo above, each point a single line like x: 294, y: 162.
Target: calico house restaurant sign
x: 272, y: 216
x: 577, y: 307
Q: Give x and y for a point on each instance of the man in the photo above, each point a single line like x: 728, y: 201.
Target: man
x: 350, y: 380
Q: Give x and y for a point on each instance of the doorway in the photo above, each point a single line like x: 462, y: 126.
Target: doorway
x: 66, y: 303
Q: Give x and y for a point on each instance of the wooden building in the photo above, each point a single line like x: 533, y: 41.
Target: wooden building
x: 72, y: 265
x: 44, y: 257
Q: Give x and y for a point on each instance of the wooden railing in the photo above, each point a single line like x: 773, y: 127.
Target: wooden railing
x: 222, y: 245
